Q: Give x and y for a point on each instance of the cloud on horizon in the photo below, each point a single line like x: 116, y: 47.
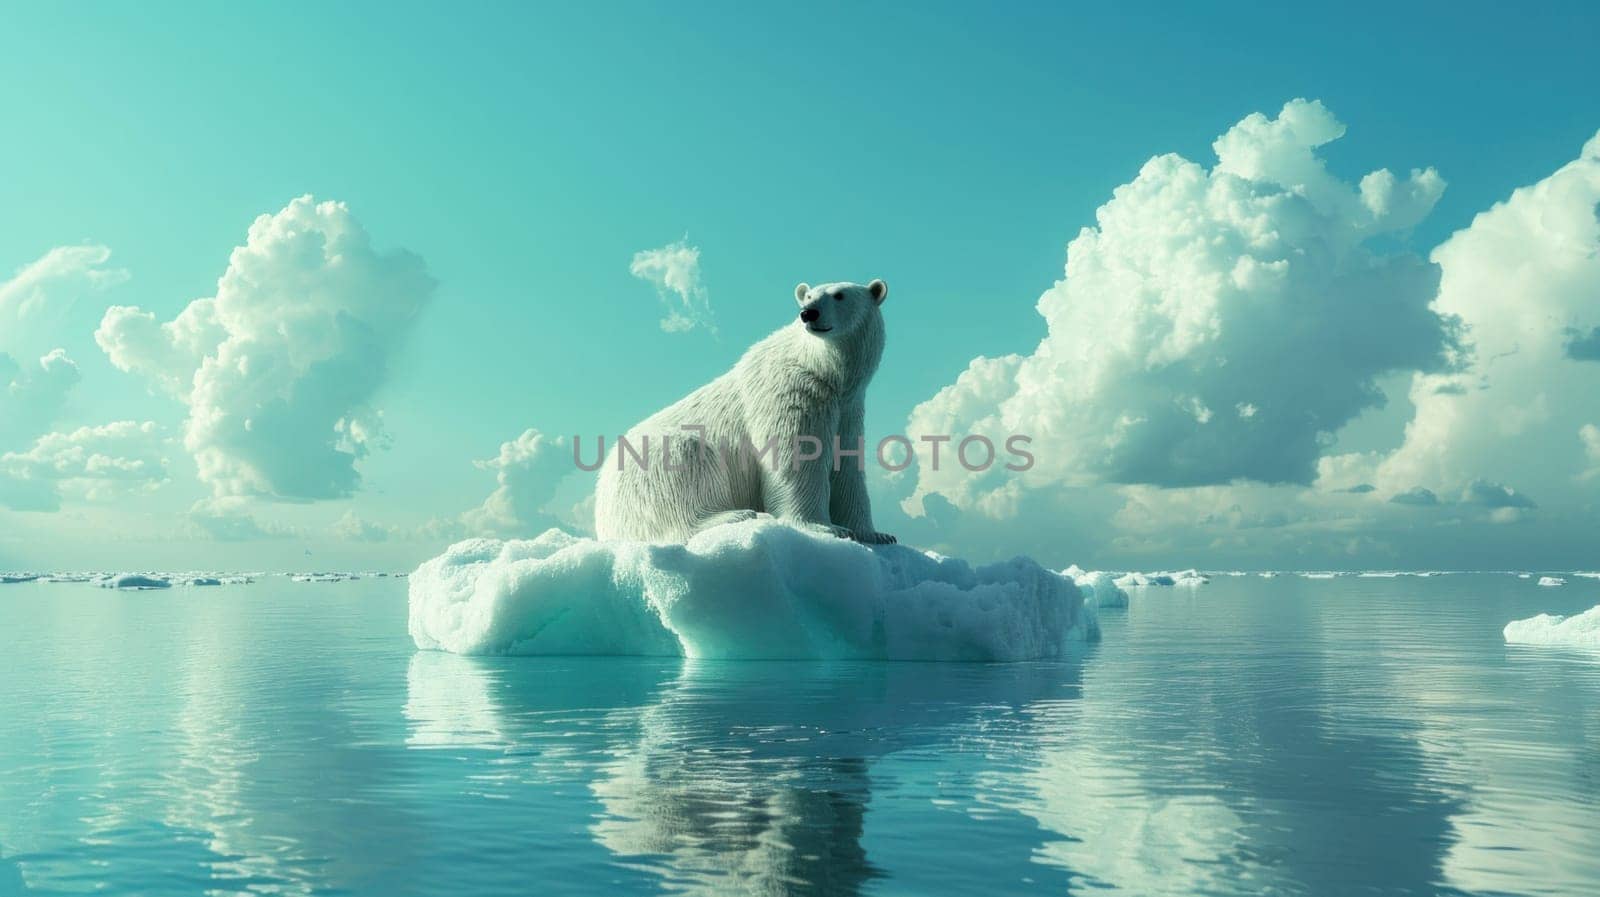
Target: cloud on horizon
x: 1213, y: 326
x: 96, y: 463
x: 278, y: 370
x: 527, y: 471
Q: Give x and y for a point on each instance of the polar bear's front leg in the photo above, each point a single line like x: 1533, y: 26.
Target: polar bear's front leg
x: 848, y: 504
x: 795, y: 474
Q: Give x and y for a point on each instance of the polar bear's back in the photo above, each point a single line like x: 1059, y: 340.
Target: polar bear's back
x: 655, y: 500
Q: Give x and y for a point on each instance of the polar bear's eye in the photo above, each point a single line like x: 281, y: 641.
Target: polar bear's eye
x: 838, y: 296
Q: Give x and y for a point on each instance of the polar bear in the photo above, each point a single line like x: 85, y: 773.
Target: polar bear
x: 779, y: 434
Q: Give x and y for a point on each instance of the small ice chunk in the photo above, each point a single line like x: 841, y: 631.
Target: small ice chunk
x: 1580, y: 630
x: 1552, y: 581
x: 758, y: 589
x: 133, y: 581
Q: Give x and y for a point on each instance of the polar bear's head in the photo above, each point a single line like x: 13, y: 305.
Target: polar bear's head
x: 836, y: 309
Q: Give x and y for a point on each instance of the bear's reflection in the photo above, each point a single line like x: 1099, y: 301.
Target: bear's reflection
x: 733, y: 777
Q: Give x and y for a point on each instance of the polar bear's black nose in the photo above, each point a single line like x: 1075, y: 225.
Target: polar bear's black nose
x: 810, y: 315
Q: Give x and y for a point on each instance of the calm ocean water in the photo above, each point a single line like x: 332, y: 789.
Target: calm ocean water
x: 1251, y: 736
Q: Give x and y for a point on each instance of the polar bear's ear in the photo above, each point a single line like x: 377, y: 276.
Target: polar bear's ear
x: 800, y: 292
x: 879, y: 291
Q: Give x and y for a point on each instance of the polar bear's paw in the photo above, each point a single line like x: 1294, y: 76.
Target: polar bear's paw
x: 841, y: 532
x: 871, y: 538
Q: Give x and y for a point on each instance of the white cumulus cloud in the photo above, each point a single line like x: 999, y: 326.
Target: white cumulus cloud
x: 97, y: 463
x: 279, y: 368
x: 32, y: 395
x: 42, y: 292
x: 1522, y: 279
x: 1254, y: 285
x: 674, y: 270
x: 527, y: 471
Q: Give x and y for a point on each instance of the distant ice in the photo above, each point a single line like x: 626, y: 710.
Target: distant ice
x: 759, y: 589
x: 1180, y: 578
x: 133, y: 581
x: 1096, y: 586
x: 1552, y: 581
x: 12, y: 578
x: 1588, y: 575
x: 1580, y: 630
x: 324, y: 577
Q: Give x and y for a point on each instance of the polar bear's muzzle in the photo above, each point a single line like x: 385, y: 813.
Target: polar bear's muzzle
x: 809, y: 317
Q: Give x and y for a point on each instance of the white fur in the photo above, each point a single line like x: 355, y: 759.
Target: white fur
x: 807, y: 378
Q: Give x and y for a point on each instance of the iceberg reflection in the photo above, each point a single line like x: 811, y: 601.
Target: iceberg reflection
x: 718, y: 777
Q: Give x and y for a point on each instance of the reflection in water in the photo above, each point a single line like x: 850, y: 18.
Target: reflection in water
x: 1163, y: 783
x: 1254, y: 736
x: 730, y: 777
x: 245, y: 749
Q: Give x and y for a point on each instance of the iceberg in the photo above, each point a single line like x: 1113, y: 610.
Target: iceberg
x: 133, y: 581
x: 1579, y: 630
x: 1552, y: 581
x: 1180, y: 578
x: 1099, y: 587
x: 759, y: 589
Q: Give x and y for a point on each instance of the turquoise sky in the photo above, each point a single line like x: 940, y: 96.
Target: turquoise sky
x: 526, y: 153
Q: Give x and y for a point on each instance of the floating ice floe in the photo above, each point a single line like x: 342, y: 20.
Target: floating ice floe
x: 760, y: 589
x: 1552, y: 581
x: 1096, y: 586
x: 323, y: 577
x: 1180, y: 578
x: 1587, y: 575
x: 14, y: 578
x: 1579, y: 630
x: 133, y: 581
